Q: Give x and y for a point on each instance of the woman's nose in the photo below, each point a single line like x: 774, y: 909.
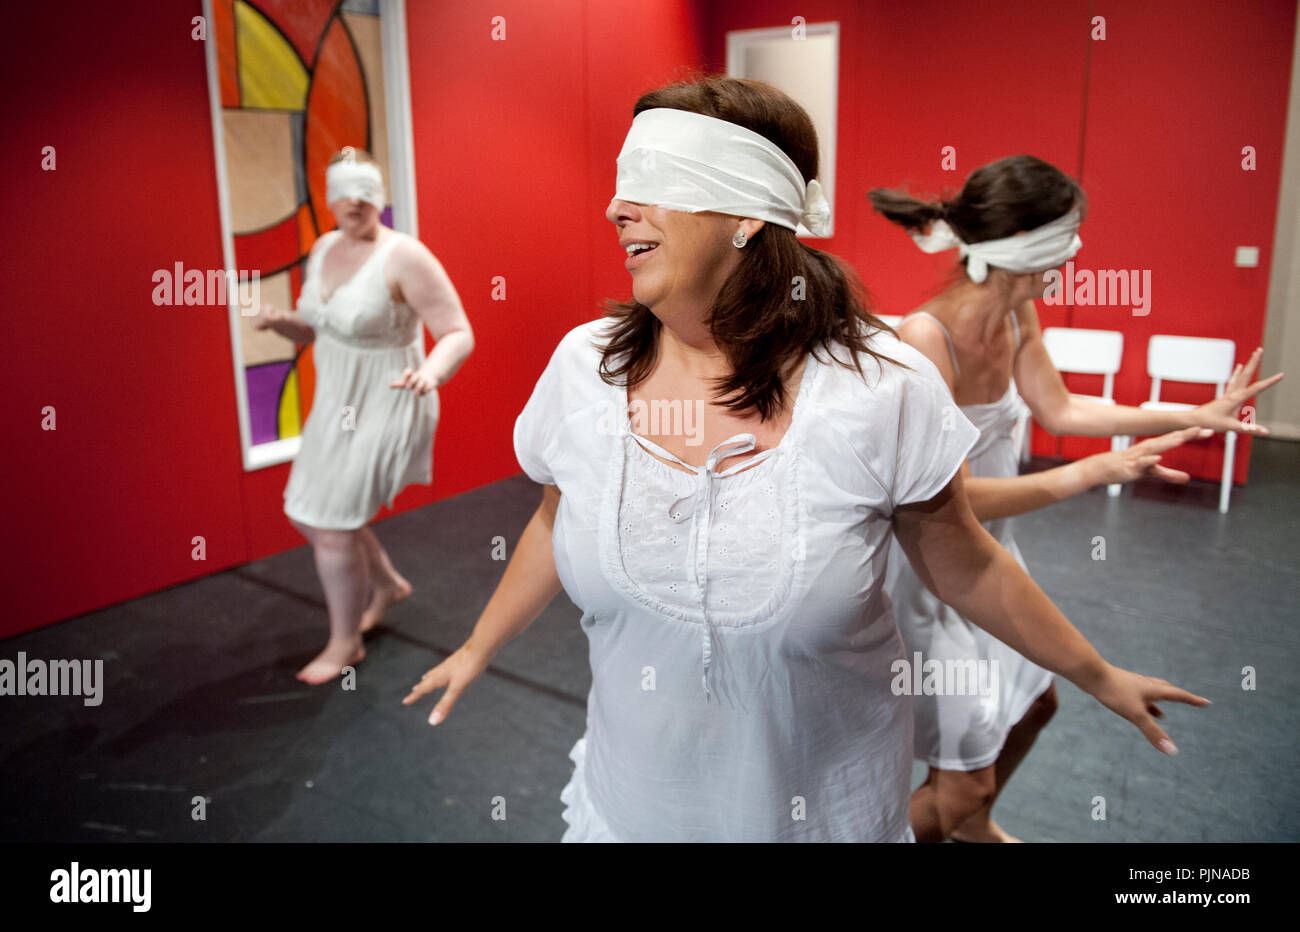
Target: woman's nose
x: 620, y: 209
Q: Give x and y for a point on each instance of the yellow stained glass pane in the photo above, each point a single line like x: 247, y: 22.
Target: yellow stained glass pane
x: 270, y: 73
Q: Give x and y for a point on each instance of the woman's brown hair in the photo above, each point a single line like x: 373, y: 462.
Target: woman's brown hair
x: 755, y: 318
x: 999, y: 199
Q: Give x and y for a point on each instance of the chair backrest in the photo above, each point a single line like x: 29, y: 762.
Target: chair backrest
x: 1189, y: 359
x: 1094, y: 352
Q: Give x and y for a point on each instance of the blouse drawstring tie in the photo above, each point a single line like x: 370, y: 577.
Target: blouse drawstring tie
x: 701, y: 514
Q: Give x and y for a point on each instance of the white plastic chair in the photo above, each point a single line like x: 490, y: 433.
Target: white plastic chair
x: 1193, y: 359
x: 1090, y: 352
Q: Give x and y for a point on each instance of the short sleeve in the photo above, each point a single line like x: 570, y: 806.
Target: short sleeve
x: 934, y: 436
x: 534, y: 425
x: 565, y: 386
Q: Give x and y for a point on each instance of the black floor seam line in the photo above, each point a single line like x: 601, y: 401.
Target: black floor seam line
x: 509, y: 677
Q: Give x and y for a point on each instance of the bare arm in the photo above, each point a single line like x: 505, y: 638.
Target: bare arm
x: 426, y: 287
x: 1064, y: 414
x: 529, y: 584
x: 1001, y: 497
x: 965, y: 567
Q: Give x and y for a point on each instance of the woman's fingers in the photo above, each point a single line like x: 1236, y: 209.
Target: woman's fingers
x: 1256, y: 387
x: 1168, y: 691
x: 1147, y: 724
x: 1135, y: 696
x: 417, y: 382
x: 1252, y: 364
x: 444, y: 705
x: 1170, y: 440
x: 1156, y: 735
x: 434, y: 679
x: 1171, y: 475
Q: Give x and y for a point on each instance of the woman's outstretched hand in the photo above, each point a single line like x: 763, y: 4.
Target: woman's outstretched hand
x: 1134, y: 697
x: 1221, y: 413
x: 1143, y: 458
x: 417, y: 380
x: 455, y: 673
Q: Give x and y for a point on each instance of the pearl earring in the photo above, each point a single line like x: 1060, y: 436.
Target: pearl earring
x: 740, y: 239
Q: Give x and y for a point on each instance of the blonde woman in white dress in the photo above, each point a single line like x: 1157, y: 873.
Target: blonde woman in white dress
x: 367, y: 291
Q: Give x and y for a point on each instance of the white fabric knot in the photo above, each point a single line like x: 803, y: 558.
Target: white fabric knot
x: 942, y: 237
x: 816, y: 210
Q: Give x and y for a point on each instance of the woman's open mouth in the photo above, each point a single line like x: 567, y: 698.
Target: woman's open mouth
x: 637, y: 253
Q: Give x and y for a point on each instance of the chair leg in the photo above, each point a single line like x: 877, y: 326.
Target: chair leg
x: 1229, y: 461
x: 1117, y: 443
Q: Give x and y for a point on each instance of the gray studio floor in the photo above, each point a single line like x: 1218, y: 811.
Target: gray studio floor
x: 200, y: 698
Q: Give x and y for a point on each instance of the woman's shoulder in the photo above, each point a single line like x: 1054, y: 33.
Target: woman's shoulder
x: 895, y: 367
x: 572, y: 373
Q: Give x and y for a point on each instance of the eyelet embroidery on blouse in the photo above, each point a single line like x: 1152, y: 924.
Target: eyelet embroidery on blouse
x: 728, y: 577
x: 740, y: 559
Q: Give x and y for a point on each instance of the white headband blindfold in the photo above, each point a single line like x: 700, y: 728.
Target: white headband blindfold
x: 1037, y: 250
x: 690, y: 162
x: 346, y: 180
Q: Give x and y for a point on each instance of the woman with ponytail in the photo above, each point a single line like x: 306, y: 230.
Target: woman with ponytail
x: 728, y: 551
x: 1014, y: 221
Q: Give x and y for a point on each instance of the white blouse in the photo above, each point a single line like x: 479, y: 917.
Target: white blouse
x: 740, y: 638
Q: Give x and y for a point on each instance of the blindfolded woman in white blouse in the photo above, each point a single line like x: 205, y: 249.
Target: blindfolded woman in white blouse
x: 726, y: 458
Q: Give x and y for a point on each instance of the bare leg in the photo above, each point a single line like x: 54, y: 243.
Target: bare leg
x: 390, y: 587
x: 345, y: 576
x: 979, y: 826
x: 947, y: 798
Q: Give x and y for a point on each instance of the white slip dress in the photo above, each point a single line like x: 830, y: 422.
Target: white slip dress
x: 363, y: 442
x: 964, y: 723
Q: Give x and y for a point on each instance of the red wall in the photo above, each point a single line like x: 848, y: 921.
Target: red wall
x: 146, y: 452
x: 515, y: 144
x: 1151, y: 120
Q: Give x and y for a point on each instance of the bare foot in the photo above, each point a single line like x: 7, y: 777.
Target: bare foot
x: 384, y: 597
x: 985, y: 832
x: 330, y: 662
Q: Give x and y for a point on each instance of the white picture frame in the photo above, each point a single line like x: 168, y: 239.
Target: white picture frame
x: 401, y: 177
x: 802, y: 59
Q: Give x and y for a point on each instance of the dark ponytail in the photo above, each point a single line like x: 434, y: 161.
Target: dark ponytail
x: 999, y: 199
x: 908, y: 212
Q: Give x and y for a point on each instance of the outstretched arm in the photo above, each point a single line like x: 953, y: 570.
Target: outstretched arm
x: 529, y: 584
x: 1001, y: 497
x: 965, y: 567
x: 1064, y: 414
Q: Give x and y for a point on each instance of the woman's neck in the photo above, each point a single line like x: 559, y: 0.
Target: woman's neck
x: 688, y: 346
x: 975, y: 313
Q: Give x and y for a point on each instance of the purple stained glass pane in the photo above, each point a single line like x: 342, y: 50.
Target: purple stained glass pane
x: 264, y: 385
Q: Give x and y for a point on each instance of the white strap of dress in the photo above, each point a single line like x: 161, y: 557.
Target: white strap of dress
x: 952, y: 352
